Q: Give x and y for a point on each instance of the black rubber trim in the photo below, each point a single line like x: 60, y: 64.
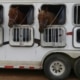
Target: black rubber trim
x: 5, y: 43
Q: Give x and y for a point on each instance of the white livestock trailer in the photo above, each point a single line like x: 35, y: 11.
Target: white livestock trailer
x: 59, y: 45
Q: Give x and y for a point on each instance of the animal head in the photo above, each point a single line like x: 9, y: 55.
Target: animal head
x: 13, y: 16
x: 43, y: 19
x: 46, y: 18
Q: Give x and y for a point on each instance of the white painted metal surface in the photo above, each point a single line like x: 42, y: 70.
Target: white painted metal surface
x: 29, y: 57
x: 58, y: 1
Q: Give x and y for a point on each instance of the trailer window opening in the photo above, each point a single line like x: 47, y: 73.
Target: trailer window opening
x: 1, y: 14
x: 58, y: 10
x: 25, y: 14
x: 1, y: 28
x: 78, y: 35
x: 77, y: 14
